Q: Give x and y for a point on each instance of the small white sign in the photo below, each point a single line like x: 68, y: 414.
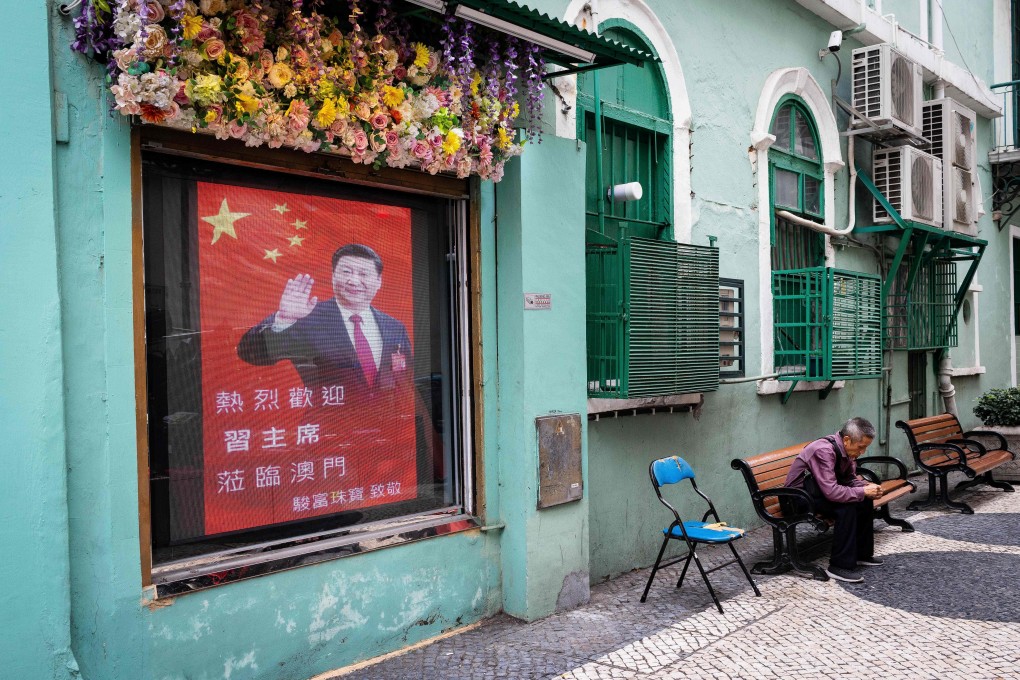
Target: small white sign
x: 538, y: 300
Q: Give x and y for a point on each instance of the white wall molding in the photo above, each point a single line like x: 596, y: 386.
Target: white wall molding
x: 780, y: 83
x: 589, y: 14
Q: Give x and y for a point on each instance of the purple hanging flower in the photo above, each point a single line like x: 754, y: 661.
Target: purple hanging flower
x: 448, y: 44
x: 535, y: 91
x: 511, y: 66
x: 93, y: 33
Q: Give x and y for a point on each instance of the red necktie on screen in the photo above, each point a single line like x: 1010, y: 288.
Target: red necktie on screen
x: 364, y: 352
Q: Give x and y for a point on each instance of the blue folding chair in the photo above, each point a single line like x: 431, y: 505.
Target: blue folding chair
x: 663, y: 472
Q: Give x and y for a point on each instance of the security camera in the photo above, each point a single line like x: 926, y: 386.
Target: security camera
x: 835, y: 40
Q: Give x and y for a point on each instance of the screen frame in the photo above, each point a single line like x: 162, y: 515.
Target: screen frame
x: 176, y: 577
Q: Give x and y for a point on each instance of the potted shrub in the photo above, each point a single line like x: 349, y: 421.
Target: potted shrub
x: 999, y: 410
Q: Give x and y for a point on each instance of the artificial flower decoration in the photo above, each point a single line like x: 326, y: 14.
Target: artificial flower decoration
x: 278, y: 73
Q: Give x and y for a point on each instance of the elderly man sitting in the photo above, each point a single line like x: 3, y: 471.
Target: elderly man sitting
x: 825, y: 469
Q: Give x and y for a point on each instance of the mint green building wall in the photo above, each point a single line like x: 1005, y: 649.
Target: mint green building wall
x: 35, y: 600
x: 68, y: 399
x: 726, y: 57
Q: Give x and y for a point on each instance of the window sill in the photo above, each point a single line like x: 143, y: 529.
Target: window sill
x: 964, y: 371
x: 598, y: 408
x: 773, y: 386
x: 185, y: 576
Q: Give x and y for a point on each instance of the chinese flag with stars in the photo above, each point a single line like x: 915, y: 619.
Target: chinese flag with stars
x: 277, y: 449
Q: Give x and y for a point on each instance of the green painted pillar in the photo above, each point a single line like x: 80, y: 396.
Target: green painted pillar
x: 541, y: 370
x: 35, y: 598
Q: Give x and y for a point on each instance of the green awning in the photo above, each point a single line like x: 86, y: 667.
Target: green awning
x: 563, y: 43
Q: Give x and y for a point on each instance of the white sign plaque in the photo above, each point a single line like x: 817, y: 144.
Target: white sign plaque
x: 538, y: 300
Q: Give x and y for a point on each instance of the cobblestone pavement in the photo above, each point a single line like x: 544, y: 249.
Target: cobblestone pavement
x: 945, y: 605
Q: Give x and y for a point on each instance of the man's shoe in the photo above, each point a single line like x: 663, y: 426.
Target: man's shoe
x: 870, y: 562
x: 844, y: 575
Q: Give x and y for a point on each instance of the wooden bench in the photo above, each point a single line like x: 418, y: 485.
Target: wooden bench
x: 940, y: 446
x: 765, y: 475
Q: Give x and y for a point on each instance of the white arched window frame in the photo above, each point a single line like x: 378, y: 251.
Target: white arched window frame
x: 780, y: 83
x: 589, y: 13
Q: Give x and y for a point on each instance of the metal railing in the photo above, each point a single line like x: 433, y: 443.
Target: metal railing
x: 1006, y: 129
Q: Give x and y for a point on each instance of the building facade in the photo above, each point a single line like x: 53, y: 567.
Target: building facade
x: 541, y: 377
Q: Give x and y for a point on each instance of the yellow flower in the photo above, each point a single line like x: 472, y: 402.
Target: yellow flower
x: 392, y: 96
x: 515, y: 110
x: 343, y: 107
x: 327, y: 114
x: 421, y: 55
x: 191, y: 26
x: 280, y: 74
x: 326, y: 88
x: 210, y: 116
x: 504, y: 140
x: 476, y: 83
x: 246, y: 99
x: 205, y: 89
x: 451, y: 144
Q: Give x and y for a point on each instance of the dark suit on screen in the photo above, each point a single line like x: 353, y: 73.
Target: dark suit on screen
x: 323, y: 353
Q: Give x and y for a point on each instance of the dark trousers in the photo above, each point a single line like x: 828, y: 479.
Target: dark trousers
x: 853, y: 536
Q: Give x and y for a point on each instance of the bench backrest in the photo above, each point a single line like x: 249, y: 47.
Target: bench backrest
x: 769, y: 470
x: 931, y: 430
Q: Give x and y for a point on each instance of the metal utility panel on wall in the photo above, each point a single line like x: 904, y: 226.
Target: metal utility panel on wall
x: 559, y: 459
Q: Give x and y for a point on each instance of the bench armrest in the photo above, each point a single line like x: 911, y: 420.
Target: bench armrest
x: 989, y: 433
x: 970, y: 444
x: 961, y: 456
x: 758, y: 498
x: 882, y: 460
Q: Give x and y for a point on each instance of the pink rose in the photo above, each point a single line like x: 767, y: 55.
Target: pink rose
x: 214, y: 49
x: 339, y: 127
x: 421, y: 150
x: 266, y: 59
x: 360, y: 141
x: 463, y: 167
x: 154, y: 12
x: 400, y: 73
x: 379, y: 121
x: 237, y: 130
x: 392, y: 139
x: 207, y: 33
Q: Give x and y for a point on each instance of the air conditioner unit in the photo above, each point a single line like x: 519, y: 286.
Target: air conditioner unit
x: 887, y: 89
x: 911, y: 180
x: 951, y: 128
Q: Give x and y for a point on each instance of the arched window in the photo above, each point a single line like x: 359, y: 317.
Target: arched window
x: 796, y: 181
x: 637, y: 132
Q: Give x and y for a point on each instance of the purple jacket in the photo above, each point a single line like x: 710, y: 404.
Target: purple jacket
x: 833, y: 470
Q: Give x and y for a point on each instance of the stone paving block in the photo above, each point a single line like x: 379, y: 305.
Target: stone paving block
x: 889, y: 628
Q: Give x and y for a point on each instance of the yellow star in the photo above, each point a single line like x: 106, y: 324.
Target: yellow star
x: 295, y: 240
x: 224, y: 222
x: 300, y: 224
x: 272, y: 255
x: 282, y: 208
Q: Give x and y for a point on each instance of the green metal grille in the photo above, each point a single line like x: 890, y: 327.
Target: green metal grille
x: 922, y: 318
x: 653, y: 318
x: 605, y: 326
x: 828, y: 324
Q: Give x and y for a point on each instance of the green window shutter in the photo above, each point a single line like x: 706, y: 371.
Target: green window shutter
x: 922, y: 318
x: 672, y: 299
x: 652, y: 318
x: 828, y: 324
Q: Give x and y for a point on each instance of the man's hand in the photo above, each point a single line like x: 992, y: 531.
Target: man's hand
x: 872, y: 491
x: 295, y: 303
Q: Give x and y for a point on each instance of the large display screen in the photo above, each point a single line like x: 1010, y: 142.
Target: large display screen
x: 297, y: 354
